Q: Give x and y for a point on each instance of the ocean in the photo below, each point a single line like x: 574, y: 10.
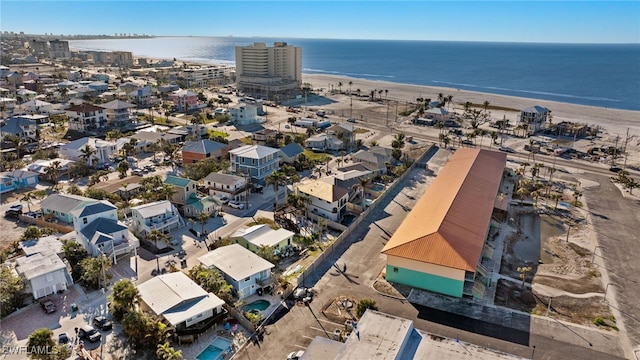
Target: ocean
x: 603, y: 75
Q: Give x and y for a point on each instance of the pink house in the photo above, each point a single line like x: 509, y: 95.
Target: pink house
x: 182, y: 98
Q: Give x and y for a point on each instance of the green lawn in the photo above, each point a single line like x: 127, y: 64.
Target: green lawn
x: 314, y: 156
x: 247, y: 140
x: 216, y: 133
x: 361, y: 131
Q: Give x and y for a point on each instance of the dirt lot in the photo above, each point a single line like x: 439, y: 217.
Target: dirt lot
x: 561, y: 270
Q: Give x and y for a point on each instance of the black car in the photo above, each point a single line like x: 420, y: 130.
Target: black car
x: 88, y: 332
x: 102, y: 323
x: 48, y: 306
x: 63, y: 338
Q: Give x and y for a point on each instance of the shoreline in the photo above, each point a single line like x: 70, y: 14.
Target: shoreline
x: 611, y: 120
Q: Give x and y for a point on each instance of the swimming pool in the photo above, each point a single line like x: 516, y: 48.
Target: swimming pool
x: 377, y: 187
x: 259, y: 305
x: 215, y: 350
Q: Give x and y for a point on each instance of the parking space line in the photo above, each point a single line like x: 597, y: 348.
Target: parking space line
x: 302, y: 347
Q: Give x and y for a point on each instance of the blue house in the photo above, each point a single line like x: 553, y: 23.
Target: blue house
x: 17, y: 179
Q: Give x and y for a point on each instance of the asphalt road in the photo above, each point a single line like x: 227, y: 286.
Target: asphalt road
x: 617, y: 223
x: 296, y: 328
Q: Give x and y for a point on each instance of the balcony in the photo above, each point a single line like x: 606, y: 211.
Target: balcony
x: 159, y: 225
x: 266, y: 281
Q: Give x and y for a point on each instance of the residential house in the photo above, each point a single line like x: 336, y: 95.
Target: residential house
x: 257, y: 236
x: 290, y: 153
x: 444, y: 254
x: 324, y: 142
x: 86, y: 117
x: 104, y: 150
x: 17, y: 179
x: 128, y: 87
x: 98, y: 230
x: 184, y: 100
x: 193, y: 151
x: 36, y: 106
x: 60, y: 206
x: 126, y: 187
x: 226, y: 185
x: 40, y: 166
x: 534, y: 118
x: 44, y: 244
x: 98, y: 86
x: 345, y: 131
x: 326, y: 200
x: 377, y: 157
x: 189, y: 201
x: 143, y: 97
x: 180, y: 302
x: 243, y: 114
x: 20, y: 127
x: 245, y: 271
x: 349, y: 180
x: 437, y: 113
x: 256, y: 161
x: 146, y: 139
x: 118, y: 113
x: 262, y: 135
x: 44, y: 272
x: 159, y: 215
x: 39, y: 119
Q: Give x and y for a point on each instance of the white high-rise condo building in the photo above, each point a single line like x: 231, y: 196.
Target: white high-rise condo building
x: 269, y: 71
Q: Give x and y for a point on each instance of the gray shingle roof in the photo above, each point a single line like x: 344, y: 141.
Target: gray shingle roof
x: 203, y: 146
x: 235, y: 261
x: 117, y: 104
x: 536, y: 109
x: 63, y: 203
x: 38, y: 264
x: 14, y: 125
x: 103, y: 226
x: 96, y: 208
x: 292, y: 150
x: 225, y: 179
x: 254, y: 151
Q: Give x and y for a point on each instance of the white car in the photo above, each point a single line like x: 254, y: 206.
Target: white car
x: 295, y: 355
x: 236, y: 205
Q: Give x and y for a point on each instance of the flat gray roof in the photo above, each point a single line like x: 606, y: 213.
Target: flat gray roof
x: 235, y: 261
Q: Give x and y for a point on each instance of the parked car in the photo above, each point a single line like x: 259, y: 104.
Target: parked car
x: 138, y: 172
x: 63, y: 338
x: 506, y: 149
x: 236, y: 205
x: 33, y: 214
x: 102, y: 323
x: 295, y: 355
x: 88, y: 332
x: 48, y: 306
x: 13, y: 211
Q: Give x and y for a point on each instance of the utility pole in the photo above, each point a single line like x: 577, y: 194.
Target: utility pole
x: 386, y: 122
x: 624, y: 150
x: 615, y: 150
x: 351, y: 107
x: 396, y: 111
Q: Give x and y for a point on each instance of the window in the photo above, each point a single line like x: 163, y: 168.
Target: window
x: 395, y: 269
x: 49, y: 277
x: 84, y: 220
x: 247, y: 279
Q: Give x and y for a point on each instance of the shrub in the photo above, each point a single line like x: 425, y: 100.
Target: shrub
x: 365, y: 304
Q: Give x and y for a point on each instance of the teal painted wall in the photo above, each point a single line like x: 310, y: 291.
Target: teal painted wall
x: 425, y: 281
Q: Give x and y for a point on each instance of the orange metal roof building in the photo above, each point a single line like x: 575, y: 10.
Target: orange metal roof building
x: 447, y: 226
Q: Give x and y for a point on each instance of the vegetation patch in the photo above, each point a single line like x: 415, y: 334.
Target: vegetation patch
x: 314, y: 156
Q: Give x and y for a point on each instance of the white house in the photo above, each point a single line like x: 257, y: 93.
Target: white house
x: 242, y: 269
x: 86, y: 117
x: 324, y: 142
x: 118, y: 113
x: 97, y: 228
x: 225, y: 185
x: 159, y: 215
x: 179, y: 300
x: 534, y: 118
x: 243, y: 114
x: 326, y: 200
x: 104, y: 150
x: 256, y: 161
x: 36, y: 106
x: 257, y: 236
x: 20, y: 127
x: 45, y: 273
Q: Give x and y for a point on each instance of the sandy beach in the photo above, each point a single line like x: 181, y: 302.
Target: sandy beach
x: 613, y: 121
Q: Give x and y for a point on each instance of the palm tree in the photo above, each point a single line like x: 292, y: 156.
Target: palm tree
x: 386, y: 93
x: 446, y: 141
x: 276, y: 179
x: 53, y: 171
x: 340, y: 86
x: 398, y: 141
x: 318, y: 170
x: 363, y: 181
x: 494, y: 137
x: 86, y: 153
x: 449, y: 100
x: 203, y: 217
x: 28, y: 198
x: 350, y: 83
x: 167, y: 191
x: 166, y: 352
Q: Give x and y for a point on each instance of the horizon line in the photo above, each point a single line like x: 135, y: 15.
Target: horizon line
x: 329, y: 38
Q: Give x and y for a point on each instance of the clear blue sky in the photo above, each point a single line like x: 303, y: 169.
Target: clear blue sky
x: 517, y: 21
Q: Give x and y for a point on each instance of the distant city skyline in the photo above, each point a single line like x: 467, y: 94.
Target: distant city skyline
x: 500, y: 21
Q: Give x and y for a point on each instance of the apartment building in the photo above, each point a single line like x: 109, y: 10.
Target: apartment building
x: 268, y: 71
x: 208, y: 76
